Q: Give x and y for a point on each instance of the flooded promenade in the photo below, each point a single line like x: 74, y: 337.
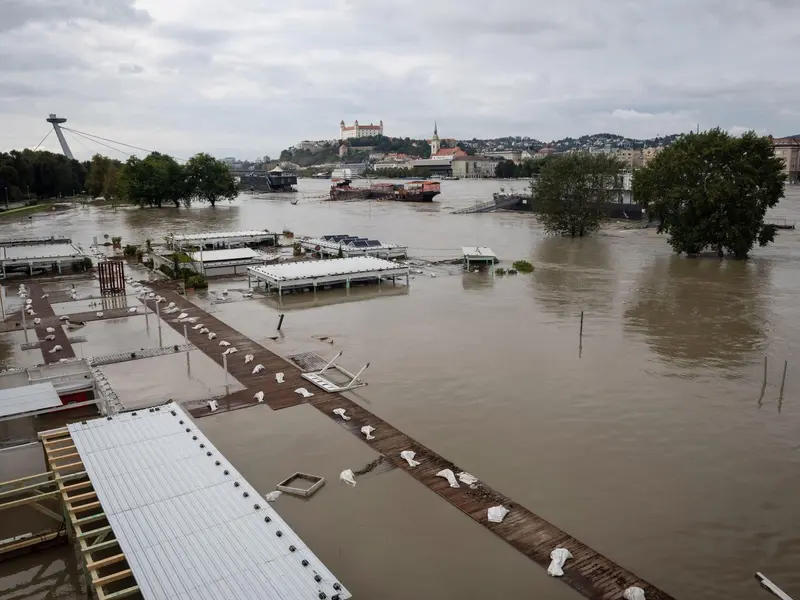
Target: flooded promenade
x: 653, y: 446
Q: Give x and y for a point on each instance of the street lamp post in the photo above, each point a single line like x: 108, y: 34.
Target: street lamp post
x: 6, y: 197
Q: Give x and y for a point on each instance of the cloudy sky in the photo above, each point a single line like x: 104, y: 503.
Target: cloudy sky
x: 249, y: 77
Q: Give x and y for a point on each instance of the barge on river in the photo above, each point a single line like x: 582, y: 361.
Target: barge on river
x: 414, y: 191
x: 276, y: 180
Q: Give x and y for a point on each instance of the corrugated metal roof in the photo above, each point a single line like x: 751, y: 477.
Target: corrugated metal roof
x: 188, y: 529
x: 28, y: 398
x: 323, y: 268
x: 480, y: 251
x: 35, y: 251
x: 208, y: 256
x: 220, y: 235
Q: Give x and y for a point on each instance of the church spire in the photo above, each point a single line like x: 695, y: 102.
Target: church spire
x: 435, y: 128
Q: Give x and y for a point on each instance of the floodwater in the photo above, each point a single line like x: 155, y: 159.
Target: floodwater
x: 654, y: 441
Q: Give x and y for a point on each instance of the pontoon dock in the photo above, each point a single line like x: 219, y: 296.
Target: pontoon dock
x: 316, y: 273
x: 15, y: 256
x: 222, y: 239
x: 230, y: 261
x: 330, y: 245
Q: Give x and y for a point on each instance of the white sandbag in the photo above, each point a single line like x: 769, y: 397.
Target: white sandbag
x: 204, y: 330
x: 99, y: 314
x: 248, y: 358
x: 465, y: 477
x: 259, y: 396
x: 272, y: 496
x: 633, y: 593
x: 257, y: 369
x: 367, y: 431
x: 171, y: 305
x: 303, y: 392
x: 36, y: 321
x: 348, y: 477
x: 497, y: 514
x: 198, y: 326
x: 212, y: 405
x: 230, y: 350
x: 28, y: 301
x: 212, y: 335
x: 50, y: 330
x: 340, y: 412
x: 408, y: 456
x: 132, y: 309
x: 224, y: 343
x: 183, y: 315
x: 279, y: 379
x: 56, y: 348
x: 49, y: 338
x: 557, y: 559
x: 63, y: 318
x: 451, y: 478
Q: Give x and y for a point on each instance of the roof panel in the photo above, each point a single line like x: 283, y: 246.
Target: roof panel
x: 35, y: 251
x: 187, y: 528
x: 323, y: 268
x: 208, y: 256
x: 218, y: 235
x: 481, y: 251
x: 28, y: 398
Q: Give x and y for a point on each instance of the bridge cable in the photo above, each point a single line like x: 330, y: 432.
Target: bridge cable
x: 90, y: 135
x: 75, y: 133
x: 43, y: 139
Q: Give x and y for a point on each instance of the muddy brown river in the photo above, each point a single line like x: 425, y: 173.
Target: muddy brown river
x: 653, y: 443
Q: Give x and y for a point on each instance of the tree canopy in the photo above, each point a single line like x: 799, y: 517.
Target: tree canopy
x: 572, y: 191
x: 712, y: 190
x: 159, y: 179
x: 39, y: 174
x: 98, y: 169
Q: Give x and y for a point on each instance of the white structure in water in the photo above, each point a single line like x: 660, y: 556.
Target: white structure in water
x: 327, y: 273
x: 187, y: 522
x: 32, y: 257
x: 480, y: 255
x: 330, y: 245
x: 215, y: 240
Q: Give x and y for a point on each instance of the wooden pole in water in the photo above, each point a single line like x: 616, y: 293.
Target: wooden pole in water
x: 158, y: 316
x: 280, y: 320
x: 581, y: 333
x: 783, y: 380
x: 765, y: 370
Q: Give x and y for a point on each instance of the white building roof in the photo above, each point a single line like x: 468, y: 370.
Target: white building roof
x: 326, y: 268
x: 478, y: 252
x: 37, y: 251
x: 189, y: 524
x: 28, y: 398
x: 208, y: 256
x: 218, y: 235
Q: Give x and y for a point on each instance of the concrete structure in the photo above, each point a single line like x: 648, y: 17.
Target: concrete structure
x: 474, y: 167
x: 327, y: 273
x: 329, y: 245
x: 349, y: 170
x: 443, y: 167
x: 183, y: 519
x: 359, y: 131
x: 512, y: 155
x: 788, y: 150
x: 649, y: 154
x: 42, y: 257
x: 218, y: 240
x: 631, y: 158
x: 230, y: 261
x: 56, y: 122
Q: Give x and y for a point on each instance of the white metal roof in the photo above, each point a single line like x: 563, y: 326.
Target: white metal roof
x: 218, y: 235
x: 324, y: 268
x: 28, y: 398
x: 208, y: 256
x: 36, y: 251
x: 331, y: 244
x: 478, y: 251
x: 187, y: 529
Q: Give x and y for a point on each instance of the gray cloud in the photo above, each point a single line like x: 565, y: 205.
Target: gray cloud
x: 261, y: 77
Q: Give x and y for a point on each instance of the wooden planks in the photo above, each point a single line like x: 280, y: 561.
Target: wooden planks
x: 44, y: 311
x: 593, y: 575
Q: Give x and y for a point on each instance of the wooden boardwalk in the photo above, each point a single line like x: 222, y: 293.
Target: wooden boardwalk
x: 44, y: 311
x: 589, y: 572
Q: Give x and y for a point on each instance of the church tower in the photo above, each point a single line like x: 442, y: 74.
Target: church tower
x: 435, y: 143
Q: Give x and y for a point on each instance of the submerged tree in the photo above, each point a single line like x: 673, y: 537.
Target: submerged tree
x: 209, y: 180
x: 572, y: 192
x: 712, y: 190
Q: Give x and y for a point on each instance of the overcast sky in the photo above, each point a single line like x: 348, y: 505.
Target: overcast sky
x: 249, y: 77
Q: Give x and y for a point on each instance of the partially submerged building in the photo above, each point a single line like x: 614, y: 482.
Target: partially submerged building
x: 219, y: 240
x: 37, y: 256
x: 346, y: 246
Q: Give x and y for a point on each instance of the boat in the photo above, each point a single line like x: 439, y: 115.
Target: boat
x: 413, y: 191
x: 275, y: 180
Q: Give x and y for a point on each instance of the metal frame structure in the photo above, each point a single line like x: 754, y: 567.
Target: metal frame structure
x: 318, y: 379
x: 337, y: 271
x: 327, y: 247
x: 73, y: 254
x: 112, y: 277
x: 226, y: 238
x: 478, y: 254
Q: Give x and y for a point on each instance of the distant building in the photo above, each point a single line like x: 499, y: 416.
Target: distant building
x: 342, y: 150
x: 359, y: 131
x: 788, y: 149
x: 435, y: 142
x: 649, y: 154
x: 544, y: 152
x: 229, y: 160
x: 266, y: 158
x: 474, y: 167
x: 512, y: 155
x: 629, y: 157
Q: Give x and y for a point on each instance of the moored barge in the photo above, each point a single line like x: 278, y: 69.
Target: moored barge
x: 414, y: 191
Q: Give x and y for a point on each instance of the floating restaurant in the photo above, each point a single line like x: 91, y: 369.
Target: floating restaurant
x: 327, y: 273
x: 349, y: 245
x: 478, y: 256
x: 29, y: 257
x: 222, y: 239
x: 230, y: 261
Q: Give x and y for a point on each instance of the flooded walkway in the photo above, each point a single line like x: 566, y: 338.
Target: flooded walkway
x: 44, y: 311
x: 590, y: 573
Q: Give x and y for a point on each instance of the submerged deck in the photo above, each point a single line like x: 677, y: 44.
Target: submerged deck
x: 592, y: 574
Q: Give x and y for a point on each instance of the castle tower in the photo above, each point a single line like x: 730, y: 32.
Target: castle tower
x: 435, y: 143
x: 56, y: 122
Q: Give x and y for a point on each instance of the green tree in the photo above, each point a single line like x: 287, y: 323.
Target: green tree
x: 209, y: 180
x: 571, y: 194
x: 505, y: 169
x: 96, y: 179
x: 111, y: 182
x: 712, y: 190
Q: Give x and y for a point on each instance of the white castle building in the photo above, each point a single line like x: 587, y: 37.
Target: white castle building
x: 359, y: 131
